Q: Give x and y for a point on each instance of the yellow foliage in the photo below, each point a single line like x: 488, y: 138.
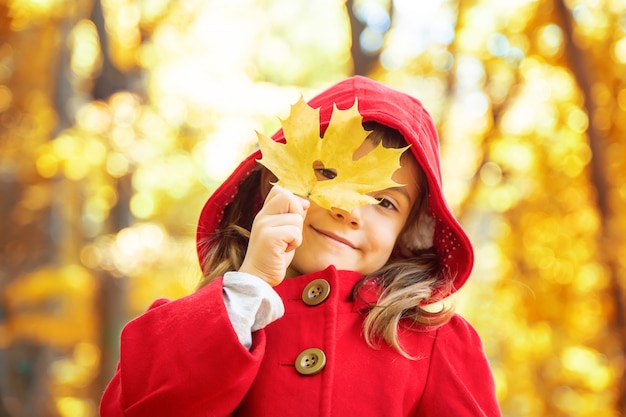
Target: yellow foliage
x: 52, y: 306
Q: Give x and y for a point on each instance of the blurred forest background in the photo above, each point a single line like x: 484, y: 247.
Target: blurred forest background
x: 119, y: 117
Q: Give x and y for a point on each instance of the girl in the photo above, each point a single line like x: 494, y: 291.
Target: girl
x: 312, y: 312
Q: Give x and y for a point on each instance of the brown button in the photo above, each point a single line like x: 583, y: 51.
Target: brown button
x: 310, y: 361
x: 316, y: 292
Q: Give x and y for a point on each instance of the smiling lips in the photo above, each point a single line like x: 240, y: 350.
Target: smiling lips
x: 334, y: 237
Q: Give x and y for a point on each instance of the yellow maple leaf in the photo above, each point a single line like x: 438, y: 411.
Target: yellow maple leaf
x: 293, y: 162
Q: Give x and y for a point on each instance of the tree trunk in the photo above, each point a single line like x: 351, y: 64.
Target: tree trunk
x: 586, y: 78
x: 362, y: 62
x: 111, y: 304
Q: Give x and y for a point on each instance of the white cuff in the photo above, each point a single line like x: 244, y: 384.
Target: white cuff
x: 251, y: 303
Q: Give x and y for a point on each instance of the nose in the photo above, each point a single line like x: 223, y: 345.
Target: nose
x: 353, y: 218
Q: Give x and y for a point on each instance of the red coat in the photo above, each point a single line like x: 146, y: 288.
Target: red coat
x: 183, y: 358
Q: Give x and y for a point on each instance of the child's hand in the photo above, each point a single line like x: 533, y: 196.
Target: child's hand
x: 276, y: 233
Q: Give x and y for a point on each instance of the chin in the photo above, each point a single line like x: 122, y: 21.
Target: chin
x: 304, y: 268
x: 294, y: 272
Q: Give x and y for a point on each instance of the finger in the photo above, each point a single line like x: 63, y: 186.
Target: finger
x: 294, y: 238
x: 280, y: 200
x: 305, y: 205
x: 266, y: 225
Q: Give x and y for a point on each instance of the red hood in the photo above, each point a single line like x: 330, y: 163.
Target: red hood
x: 394, y: 109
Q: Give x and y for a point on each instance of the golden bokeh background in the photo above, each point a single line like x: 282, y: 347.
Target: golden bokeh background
x: 119, y: 117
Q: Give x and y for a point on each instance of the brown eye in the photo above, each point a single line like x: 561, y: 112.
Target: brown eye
x: 322, y: 173
x: 327, y: 173
x: 383, y: 202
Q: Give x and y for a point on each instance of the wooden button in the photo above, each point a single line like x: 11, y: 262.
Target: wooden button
x: 316, y: 292
x: 310, y: 361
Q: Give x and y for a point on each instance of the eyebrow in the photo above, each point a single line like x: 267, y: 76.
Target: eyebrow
x: 402, y: 190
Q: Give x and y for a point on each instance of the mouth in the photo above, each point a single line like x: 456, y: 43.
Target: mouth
x: 334, y: 237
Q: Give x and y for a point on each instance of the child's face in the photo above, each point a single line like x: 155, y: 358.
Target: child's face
x: 360, y: 241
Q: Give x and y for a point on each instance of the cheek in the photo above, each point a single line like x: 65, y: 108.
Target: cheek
x: 394, y: 237
x: 384, y: 237
x: 316, y: 214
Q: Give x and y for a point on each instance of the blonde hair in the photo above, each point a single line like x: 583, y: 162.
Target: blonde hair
x: 406, y: 282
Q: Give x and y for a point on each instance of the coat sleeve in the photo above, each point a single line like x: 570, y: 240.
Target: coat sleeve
x: 183, y: 358
x: 460, y: 382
